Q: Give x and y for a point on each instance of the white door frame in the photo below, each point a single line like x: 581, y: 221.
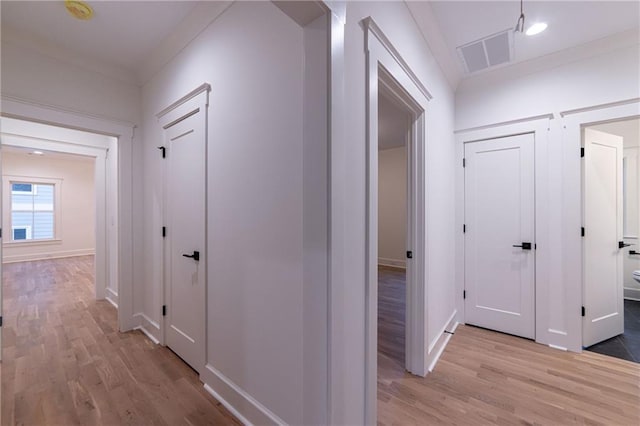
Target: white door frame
x: 539, y: 126
x: 386, y: 66
x: 192, y: 103
x: 123, y: 132
x: 574, y: 121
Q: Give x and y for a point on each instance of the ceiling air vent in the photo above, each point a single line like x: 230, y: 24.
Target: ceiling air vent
x: 487, y: 52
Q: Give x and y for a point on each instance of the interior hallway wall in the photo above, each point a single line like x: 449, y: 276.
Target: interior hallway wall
x: 395, y: 20
x: 534, y: 90
x: 252, y: 56
x: 77, y: 197
x: 392, y: 206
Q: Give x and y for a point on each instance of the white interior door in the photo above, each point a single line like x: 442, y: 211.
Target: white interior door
x: 185, y: 234
x: 603, y: 256
x: 499, y: 235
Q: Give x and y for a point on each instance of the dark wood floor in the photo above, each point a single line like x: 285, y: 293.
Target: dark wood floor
x: 65, y: 363
x: 484, y: 377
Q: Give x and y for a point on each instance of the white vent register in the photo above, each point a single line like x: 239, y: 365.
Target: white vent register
x: 487, y: 52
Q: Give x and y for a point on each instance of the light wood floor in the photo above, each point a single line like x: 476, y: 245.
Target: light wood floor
x: 486, y: 377
x: 65, y: 363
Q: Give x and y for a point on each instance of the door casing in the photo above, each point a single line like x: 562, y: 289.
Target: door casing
x: 386, y: 67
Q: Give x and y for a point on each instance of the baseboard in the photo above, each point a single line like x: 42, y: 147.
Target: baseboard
x: 149, y: 327
x: 112, y: 297
x: 394, y: 263
x: 436, y: 350
x: 245, y: 407
x: 632, y: 293
x: 47, y: 256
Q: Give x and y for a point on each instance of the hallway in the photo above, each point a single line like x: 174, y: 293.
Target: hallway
x: 65, y: 363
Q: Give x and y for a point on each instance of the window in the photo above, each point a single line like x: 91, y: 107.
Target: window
x: 32, y: 211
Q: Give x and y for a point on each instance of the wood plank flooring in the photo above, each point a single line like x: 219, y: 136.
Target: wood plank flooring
x: 486, y: 377
x: 65, y: 363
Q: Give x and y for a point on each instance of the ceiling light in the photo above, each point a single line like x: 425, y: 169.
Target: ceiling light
x: 38, y: 152
x: 536, y: 28
x: 79, y: 9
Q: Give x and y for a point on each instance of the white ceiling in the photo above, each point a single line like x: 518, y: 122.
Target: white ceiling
x: 628, y: 129
x: 28, y: 152
x: 122, y: 33
x: 571, y: 23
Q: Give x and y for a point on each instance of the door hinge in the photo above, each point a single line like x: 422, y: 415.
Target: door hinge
x: 583, y: 311
x: 409, y: 255
x: 164, y: 310
x: 0, y: 321
x: 464, y: 228
x: 582, y: 231
x: 0, y: 233
x: 464, y: 162
x: 164, y: 231
x: 164, y: 151
x: 464, y: 294
x: 582, y: 152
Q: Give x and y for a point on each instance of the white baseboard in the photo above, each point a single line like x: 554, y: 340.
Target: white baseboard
x: 245, y: 407
x: 632, y: 293
x: 112, y: 297
x: 46, y: 256
x: 149, y: 327
x: 394, y: 263
x: 437, y: 348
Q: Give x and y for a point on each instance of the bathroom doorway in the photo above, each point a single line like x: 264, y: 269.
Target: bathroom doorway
x: 611, y: 243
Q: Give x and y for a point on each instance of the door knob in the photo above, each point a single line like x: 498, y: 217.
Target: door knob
x: 195, y: 256
x: 621, y: 244
x: 524, y: 246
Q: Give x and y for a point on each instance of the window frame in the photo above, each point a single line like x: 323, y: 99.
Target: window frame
x: 8, y: 182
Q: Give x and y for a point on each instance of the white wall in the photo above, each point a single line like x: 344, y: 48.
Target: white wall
x: 533, y: 90
x: 392, y: 206
x: 349, y: 155
x: 252, y: 55
x: 76, y: 225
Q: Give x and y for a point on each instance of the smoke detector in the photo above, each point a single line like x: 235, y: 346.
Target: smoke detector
x: 79, y: 9
x: 487, y: 52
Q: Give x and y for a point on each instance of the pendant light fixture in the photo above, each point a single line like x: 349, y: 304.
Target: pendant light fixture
x: 520, y: 24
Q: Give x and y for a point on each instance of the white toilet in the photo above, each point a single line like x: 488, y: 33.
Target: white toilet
x: 636, y: 275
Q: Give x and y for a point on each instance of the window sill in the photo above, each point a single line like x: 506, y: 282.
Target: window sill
x: 32, y: 243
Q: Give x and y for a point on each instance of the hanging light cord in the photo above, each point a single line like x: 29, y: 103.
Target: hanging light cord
x: 520, y: 24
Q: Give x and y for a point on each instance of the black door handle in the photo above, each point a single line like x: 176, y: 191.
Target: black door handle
x: 634, y: 253
x: 524, y: 246
x: 195, y: 256
x: 622, y: 245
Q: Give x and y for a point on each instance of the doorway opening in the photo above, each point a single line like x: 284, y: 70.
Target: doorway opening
x: 611, y: 231
x: 394, y: 127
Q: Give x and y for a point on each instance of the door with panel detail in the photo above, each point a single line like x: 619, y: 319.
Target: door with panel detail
x: 500, y: 235
x: 603, y: 242
x: 185, y: 238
